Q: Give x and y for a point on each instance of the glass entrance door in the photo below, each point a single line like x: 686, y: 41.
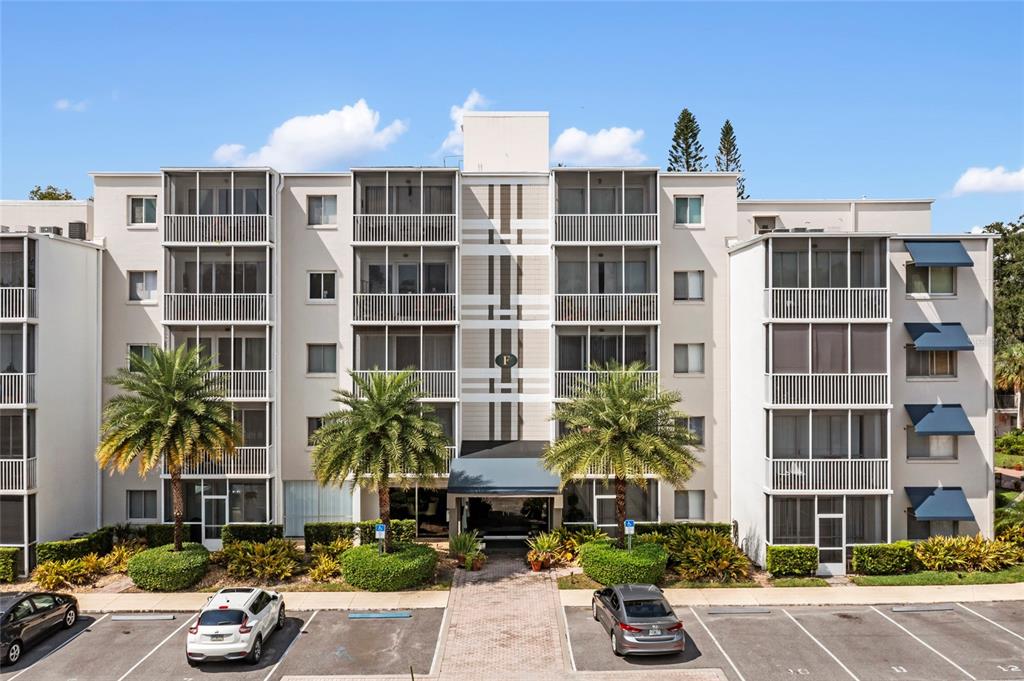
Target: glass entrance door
x: 507, y: 517
x: 831, y: 550
x: 214, y: 518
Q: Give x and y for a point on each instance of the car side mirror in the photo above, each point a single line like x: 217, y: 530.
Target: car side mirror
x: 275, y: 597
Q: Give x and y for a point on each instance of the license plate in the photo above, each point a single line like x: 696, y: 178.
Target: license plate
x: 655, y: 632
x: 217, y: 637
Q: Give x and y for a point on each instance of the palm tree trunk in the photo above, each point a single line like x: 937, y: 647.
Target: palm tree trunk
x: 384, y: 501
x: 620, y: 508
x: 179, y: 507
x: 1020, y: 408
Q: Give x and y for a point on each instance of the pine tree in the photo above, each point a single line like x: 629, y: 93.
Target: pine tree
x: 686, y: 153
x: 728, y: 158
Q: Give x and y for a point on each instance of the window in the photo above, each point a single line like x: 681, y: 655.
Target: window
x: 313, y: 424
x: 21, y: 610
x: 689, y: 504
x: 689, y: 285
x: 247, y: 502
x: 141, y: 504
x: 867, y: 348
x: 322, y: 210
x: 689, y: 358
x: 828, y: 349
x: 935, y: 281
x: 790, y: 435
x: 571, y: 201
x: 789, y: 348
x: 695, y: 424
x: 141, y: 351
x: 931, y: 363
x: 792, y: 520
x: 321, y: 358
x: 142, y: 286
x: 939, y: 447
x: 829, y: 435
x: 917, y: 529
x: 44, y: 602
x: 321, y: 286
x: 142, y: 210
x: 260, y: 602
x: 689, y: 210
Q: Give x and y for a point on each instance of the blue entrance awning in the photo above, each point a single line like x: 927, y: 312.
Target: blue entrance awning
x: 938, y: 254
x: 928, y: 336
x: 939, y: 503
x: 506, y: 469
x: 939, y: 419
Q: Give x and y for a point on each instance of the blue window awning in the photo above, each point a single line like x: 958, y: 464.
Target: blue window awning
x: 505, y: 469
x: 939, y: 419
x: 938, y: 254
x: 939, y: 503
x: 927, y: 336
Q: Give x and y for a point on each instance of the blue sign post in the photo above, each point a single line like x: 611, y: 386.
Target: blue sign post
x: 380, y: 531
x: 629, y: 527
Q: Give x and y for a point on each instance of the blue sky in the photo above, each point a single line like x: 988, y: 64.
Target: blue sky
x: 828, y: 100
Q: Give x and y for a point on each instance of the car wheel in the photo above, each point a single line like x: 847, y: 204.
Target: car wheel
x: 191, y: 662
x: 593, y: 611
x: 14, y: 652
x: 280, y: 618
x: 257, y: 651
x: 70, y: 617
x: 615, y: 645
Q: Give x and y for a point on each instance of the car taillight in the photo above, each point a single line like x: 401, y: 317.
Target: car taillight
x: 244, y: 627
x: 675, y: 627
x: 194, y: 629
x: 630, y: 628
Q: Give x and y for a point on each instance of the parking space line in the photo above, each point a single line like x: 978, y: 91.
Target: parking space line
x: 821, y: 645
x: 568, y: 640
x: 301, y: 632
x: 436, y: 660
x: 156, y: 647
x: 1008, y: 631
x: 85, y: 629
x: 916, y: 638
x: 717, y: 644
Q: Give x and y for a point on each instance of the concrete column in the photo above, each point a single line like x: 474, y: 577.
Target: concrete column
x: 556, y: 511
x: 454, y: 519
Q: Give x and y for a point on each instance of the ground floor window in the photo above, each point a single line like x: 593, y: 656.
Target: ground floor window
x: 305, y: 501
x: 923, y: 529
x: 592, y: 502
x: 793, y: 520
x: 247, y: 502
x: 867, y: 520
x: 208, y: 504
x: 12, y: 520
x: 426, y: 505
x: 141, y: 505
x: 689, y: 504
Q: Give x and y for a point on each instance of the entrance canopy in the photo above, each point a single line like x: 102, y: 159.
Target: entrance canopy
x: 939, y: 503
x: 501, y: 468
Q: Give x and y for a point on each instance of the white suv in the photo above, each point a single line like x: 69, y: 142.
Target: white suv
x: 233, y: 625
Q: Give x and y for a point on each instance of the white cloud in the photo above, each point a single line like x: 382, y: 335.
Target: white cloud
x: 69, y: 105
x: 317, y: 141
x: 989, y: 180
x: 608, y: 146
x: 453, y: 142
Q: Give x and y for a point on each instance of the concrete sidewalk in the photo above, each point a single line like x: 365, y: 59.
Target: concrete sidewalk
x: 294, y: 600
x: 833, y: 595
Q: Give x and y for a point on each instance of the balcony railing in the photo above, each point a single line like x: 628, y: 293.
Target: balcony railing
x: 217, y: 307
x: 606, y: 307
x: 217, y: 229
x: 405, y: 228
x: 404, y: 307
x: 17, y: 475
x: 828, y: 389
x: 17, y: 389
x: 570, y: 383
x: 1006, y: 402
x: 827, y: 303
x: 248, y: 384
x: 436, y: 384
x: 246, y: 461
x: 17, y: 302
x: 827, y: 475
x: 615, y: 229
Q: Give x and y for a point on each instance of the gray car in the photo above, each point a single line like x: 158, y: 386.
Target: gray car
x: 638, y: 619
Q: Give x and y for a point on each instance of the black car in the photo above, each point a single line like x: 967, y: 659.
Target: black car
x: 28, y: 617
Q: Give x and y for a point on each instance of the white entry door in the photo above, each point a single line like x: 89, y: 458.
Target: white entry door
x: 831, y: 545
x: 214, y: 516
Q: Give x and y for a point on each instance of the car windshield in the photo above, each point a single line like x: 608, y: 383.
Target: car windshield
x: 220, y: 618
x: 647, y: 608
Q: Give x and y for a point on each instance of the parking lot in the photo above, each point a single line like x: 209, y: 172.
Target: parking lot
x: 972, y: 641
x: 100, y: 648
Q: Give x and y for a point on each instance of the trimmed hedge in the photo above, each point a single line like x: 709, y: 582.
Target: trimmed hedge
x: 724, y: 529
x: 406, y: 566
x: 792, y: 560
x: 884, y: 559
x: 259, y: 534
x: 8, y: 563
x: 100, y: 542
x: 164, y: 569
x: 159, y: 534
x: 325, y: 533
x: 604, y: 563
x: 401, y: 531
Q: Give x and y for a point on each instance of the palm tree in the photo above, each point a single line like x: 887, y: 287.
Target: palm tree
x: 1009, y: 374
x: 170, y: 411
x: 623, y: 425
x: 381, y: 436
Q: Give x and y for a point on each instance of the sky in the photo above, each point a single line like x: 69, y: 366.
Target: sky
x: 828, y: 100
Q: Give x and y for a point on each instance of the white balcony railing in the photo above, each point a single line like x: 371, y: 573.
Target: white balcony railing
x: 248, y: 384
x: 435, y: 384
x: 570, y: 383
x: 616, y: 229
x: 405, y: 228
x: 606, y: 307
x: 17, y: 389
x: 827, y: 475
x: 404, y: 307
x: 217, y: 229
x: 217, y: 307
x: 17, y: 475
x: 828, y: 389
x: 828, y: 303
x: 17, y: 302
x: 246, y: 461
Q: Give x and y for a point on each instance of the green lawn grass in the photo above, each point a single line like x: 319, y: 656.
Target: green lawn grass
x: 1004, y: 460
x: 799, y: 581
x: 578, y: 581
x: 930, y: 578
x: 581, y: 581
x: 1005, y: 497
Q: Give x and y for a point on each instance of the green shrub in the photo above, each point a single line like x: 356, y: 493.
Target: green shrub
x: 1013, y: 534
x: 603, y: 563
x: 402, y: 531
x: 255, y: 533
x: 710, y: 557
x: 792, y: 560
x: 724, y: 529
x: 265, y: 562
x: 325, y: 533
x: 571, y: 541
x: 117, y: 559
x: 333, y: 549
x: 884, y: 559
x: 100, y: 541
x: 406, y: 566
x: 965, y: 553
x: 66, y: 574
x: 463, y: 544
x: 158, y: 535
x: 325, y: 568
x: 9, y: 563
x: 164, y: 569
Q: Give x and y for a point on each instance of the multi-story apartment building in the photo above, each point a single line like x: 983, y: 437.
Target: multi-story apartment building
x: 833, y: 357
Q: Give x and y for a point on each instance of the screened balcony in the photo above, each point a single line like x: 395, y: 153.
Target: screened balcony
x: 405, y: 285
x: 429, y: 352
x: 405, y: 206
x: 242, y: 357
x: 17, y: 451
x: 606, y: 206
x: 18, y: 278
x: 217, y: 207
x: 17, y: 364
x: 254, y: 457
x: 580, y: 354
x: 218, y: 285
x: 606, y: 284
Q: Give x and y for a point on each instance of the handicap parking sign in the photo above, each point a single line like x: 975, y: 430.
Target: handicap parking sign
x: 630, y: 526
x: 380, y: 530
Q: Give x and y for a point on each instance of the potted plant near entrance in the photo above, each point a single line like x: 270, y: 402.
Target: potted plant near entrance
x: 542, y: 551
x: 535, y: 559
